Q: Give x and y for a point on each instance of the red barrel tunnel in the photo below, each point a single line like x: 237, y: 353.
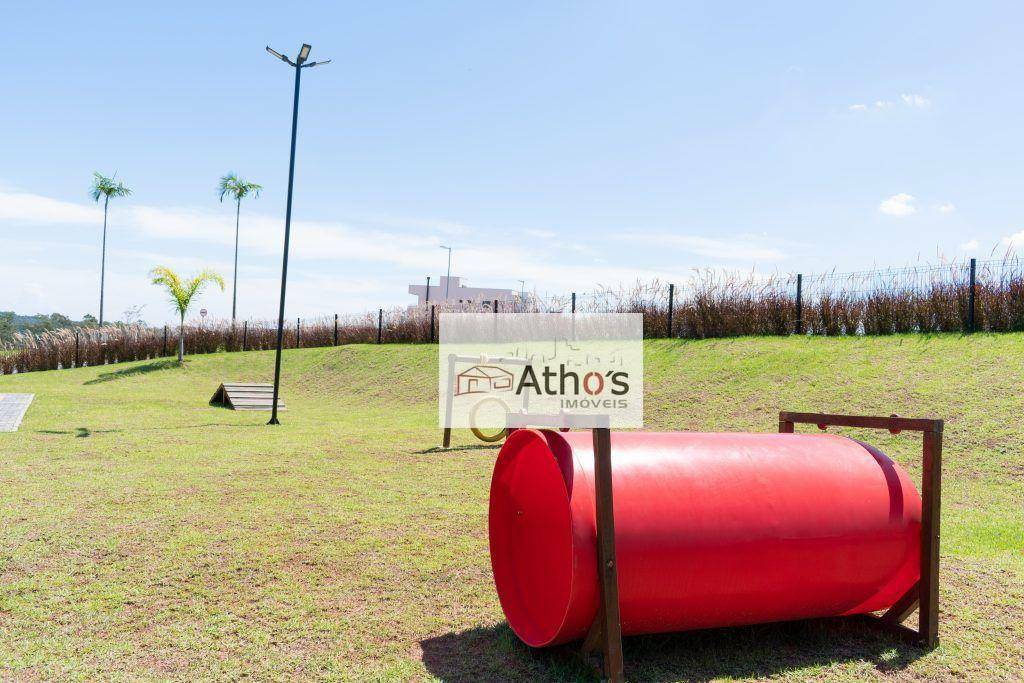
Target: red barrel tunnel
x: 710, y: 529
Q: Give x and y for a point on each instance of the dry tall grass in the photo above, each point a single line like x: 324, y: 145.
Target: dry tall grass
x: 711, y: 304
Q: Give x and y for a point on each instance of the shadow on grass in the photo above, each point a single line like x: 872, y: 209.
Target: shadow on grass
x: 763, y: 651
x: 137, y: 370
x: 79, y: 432
x: 452, y: 449
x: 83, y: 432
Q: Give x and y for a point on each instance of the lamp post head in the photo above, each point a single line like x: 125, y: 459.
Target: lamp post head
x: 301, y: 61
x: 283, y: 58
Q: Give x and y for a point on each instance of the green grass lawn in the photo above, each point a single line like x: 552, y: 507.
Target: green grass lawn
x: 147, y: 535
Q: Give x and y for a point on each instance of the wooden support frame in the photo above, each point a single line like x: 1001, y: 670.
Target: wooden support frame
x: 605, y: 633
x: 924, y: 595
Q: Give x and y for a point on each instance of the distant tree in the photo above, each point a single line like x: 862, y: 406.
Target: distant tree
x: 236, y: 188
x: 89, y: 320
x: 6, y: 325
x: 47, y: 323
x: 11, y: 323
x: 105, y: 187
x: 182, y: 293
x: 133, y: 314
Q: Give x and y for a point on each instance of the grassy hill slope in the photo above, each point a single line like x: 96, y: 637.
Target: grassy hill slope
x: 146, y: 534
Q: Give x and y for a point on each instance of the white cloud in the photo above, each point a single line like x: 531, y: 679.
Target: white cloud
x: 913, y: 100
x: 415, y: 224
x: 740, y: 248
x: 909, y: 99
x: 1015, y: 240
x: 901, y: 204
x: 327, y: 240
x: 947, y: 208
x: 879, y: 104
x: 541, y: 234
x: 33, y: 208
x: 970, y: 245
x: 349, y: 265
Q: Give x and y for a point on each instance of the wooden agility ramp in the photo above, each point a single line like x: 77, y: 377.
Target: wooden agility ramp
x: 241, y: 396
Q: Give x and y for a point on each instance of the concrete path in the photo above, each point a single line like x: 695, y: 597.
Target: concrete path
x: 12, y: 409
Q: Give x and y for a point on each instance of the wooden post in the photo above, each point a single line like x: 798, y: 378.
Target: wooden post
x: 245, y: 333
x: 165, y: 340
x: 971, y: 296
x: 298, y: 333
x: 335, y: 329
x: 608, y: 619
x: 446, y: 437
x: 671, y: 300
x: 76, y: 348
x: 799, y: 303
x: 785, y: 426
x: 931, y: 504
x: 432, y: 307
x: 923, y: 595
x: 380, y: 325
x: 495, y: 307
x: 574, y: 303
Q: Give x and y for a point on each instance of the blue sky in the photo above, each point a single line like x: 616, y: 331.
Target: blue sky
x: 567, y: 144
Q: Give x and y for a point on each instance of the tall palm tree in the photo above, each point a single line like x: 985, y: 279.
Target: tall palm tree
x: 182, y: 292
x: 105, y: 187
x: 236, y: 188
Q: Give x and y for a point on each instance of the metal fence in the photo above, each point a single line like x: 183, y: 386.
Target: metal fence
x: 960, y: 297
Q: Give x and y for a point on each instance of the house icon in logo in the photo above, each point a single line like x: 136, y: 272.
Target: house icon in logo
x: 483, y: 379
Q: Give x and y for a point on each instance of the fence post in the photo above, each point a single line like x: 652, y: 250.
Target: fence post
x: 495, y: 307
x: 427, y: 299
x: 165, y: 340
x: 298, y: 332
x: 335, y: 329
x: 574, y: 303
x: 76, y: 348
x: 671, y: 299
x: 432, y: 307
x: 799, y: 303
x: 970, y: 296
x: 380, y: 325
x: 245, y: 333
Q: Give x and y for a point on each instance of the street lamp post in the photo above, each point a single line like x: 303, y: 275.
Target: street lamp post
x: 447, y: 279
x: 299, y: 64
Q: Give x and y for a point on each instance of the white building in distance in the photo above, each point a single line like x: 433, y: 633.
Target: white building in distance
x: 459, y: 293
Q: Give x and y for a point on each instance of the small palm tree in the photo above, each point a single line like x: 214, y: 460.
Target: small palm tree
x: 105, y: 187
x: 236, y: 188
x: 182, y: 293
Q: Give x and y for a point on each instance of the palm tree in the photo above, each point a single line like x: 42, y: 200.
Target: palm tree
x: 105, y: 187
x: 182, y: 292
x: 233, y: 186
